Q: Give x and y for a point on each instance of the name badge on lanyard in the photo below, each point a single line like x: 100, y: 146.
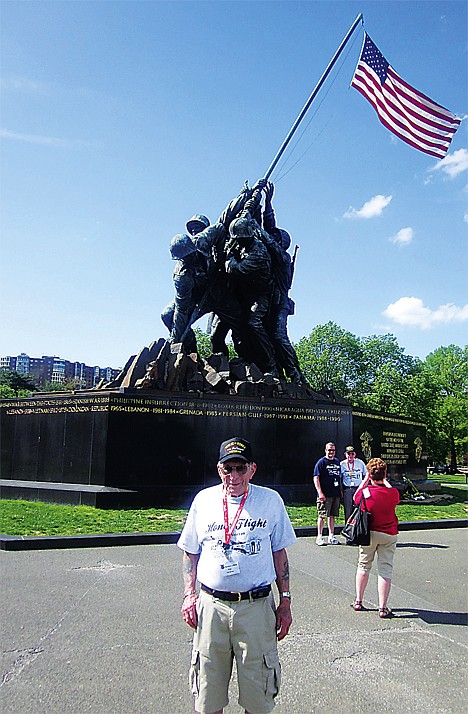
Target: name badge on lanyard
x: 230, y: 567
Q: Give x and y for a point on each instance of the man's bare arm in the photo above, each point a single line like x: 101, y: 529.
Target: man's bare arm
x: 283, y: 611
x: 189, y: 573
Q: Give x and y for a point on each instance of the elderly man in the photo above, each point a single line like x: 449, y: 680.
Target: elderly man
x: 234, y: 543
x: 352, y: 472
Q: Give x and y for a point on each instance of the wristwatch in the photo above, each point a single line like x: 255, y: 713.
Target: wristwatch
x: 286, y: 593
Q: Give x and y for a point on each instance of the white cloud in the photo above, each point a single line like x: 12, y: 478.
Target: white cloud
x: 403, y: 237
x: 22, y: 85
x: 412, y: 312
x: 453, y: 164
x: 465, y: 217
x: 371, y: 208
x: 45, y: 140
x: 32, y: 138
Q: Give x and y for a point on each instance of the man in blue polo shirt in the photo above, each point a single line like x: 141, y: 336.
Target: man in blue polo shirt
x: 327, y: 484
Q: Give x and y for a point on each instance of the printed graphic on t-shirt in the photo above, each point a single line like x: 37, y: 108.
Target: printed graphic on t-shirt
x: 243, y: 540
x: 246, y: 547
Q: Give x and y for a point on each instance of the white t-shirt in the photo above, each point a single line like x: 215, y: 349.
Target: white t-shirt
x: 353, y: 477
x: 263, y: 528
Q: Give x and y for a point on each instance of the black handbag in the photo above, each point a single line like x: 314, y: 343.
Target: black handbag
x: 357, y: 528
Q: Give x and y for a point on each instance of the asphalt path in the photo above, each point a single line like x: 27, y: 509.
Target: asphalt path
x: 98, y: 630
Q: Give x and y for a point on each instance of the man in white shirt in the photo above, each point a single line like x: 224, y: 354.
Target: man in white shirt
x: 234, y: 543
x: 352, y: 472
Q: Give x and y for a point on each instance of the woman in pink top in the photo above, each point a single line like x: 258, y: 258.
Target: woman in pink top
x: 380, y: 500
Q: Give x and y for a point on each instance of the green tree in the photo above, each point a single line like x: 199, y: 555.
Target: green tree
x: 447, y: 368
x: 7, y: 392
x: 391, y: 380
x: 20, y: 384
x: 204, y: 345
x: 331, y: 358
x: 73, y: 385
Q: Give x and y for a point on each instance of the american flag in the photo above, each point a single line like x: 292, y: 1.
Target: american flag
x: 406, y: 112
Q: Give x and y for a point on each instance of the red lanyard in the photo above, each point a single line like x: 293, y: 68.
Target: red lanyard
x: 228, y: 530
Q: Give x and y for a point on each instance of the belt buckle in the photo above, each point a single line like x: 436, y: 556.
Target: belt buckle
x: 239, y: 597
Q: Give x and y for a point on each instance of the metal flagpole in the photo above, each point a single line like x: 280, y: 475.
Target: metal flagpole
x: 312, y: 97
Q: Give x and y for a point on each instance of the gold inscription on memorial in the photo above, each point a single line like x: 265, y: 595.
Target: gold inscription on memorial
x: 394, y: 447
x: 68, y: 405
x: 380, y: 417
x: 227, y: 409
x: 167, y: 406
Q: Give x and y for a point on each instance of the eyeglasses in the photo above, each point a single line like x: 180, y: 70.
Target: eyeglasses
x: 240, y: 468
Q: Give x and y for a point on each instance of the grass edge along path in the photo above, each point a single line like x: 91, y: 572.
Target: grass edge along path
x: 31, y: 518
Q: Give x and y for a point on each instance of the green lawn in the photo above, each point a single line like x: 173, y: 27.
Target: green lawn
x: 448, y: 478
x: 25, y: 518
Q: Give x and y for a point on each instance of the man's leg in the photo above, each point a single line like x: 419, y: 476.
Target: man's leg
x: 334, y: 511
x: 253, y: 636
x: 320, y: 524
x: 321, y: 515
x: 212, y: 656
x: 348, y: 501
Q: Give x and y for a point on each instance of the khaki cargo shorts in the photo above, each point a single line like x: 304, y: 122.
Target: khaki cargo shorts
x: 384, y: 545
x: 329, y: 507
x: 244, y: 630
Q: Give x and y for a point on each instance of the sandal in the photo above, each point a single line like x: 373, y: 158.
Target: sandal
x: 385, y: 612
x: 357, y: 605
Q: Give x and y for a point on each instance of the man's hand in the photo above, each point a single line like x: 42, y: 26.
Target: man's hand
x: 189, y: 610
x: 230, y: 264
x: 261, y: 183
x: 269, y: 191
x: 322, y: 497
x: 283, y: 618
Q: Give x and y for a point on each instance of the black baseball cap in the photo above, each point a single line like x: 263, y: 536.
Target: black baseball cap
x: 235, y: 448
x: 350, y: 450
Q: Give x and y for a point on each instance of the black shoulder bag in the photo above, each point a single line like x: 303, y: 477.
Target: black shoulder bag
x: 357, y: 528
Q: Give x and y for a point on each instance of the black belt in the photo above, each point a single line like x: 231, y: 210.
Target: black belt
x: 237, y: 597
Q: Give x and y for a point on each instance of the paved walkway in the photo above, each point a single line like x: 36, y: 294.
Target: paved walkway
x: 97, y: 630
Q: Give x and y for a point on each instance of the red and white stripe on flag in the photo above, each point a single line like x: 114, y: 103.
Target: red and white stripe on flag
x: 411, y: 115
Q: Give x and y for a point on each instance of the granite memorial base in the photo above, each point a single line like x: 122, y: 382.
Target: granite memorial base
x: 136, y: 448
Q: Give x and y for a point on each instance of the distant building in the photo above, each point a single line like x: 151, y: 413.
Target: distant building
x: 55, y: 370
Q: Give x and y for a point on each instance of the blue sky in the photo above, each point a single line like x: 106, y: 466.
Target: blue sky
x: 119, y: 120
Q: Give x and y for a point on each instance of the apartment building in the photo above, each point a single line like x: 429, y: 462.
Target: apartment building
x: 55, y: 370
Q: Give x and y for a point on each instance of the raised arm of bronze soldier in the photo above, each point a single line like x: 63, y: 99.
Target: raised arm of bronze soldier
x: 269, y: 221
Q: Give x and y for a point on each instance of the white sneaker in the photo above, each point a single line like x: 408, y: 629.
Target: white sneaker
x: 333, y: 541
x: 320, y: 541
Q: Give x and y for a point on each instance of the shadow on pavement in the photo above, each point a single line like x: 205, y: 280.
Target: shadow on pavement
x: 421, y: 545
x: 432, y: 617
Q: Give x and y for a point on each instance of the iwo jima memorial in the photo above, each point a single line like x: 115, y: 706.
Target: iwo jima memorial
x: 151, y: 437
